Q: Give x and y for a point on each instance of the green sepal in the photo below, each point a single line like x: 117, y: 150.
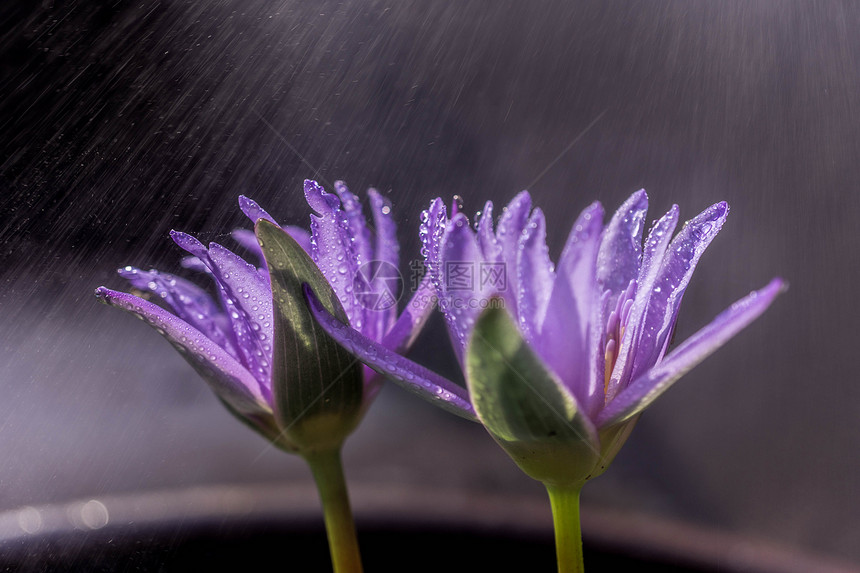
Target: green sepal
x: 317, y: 386
x: 525, y: 406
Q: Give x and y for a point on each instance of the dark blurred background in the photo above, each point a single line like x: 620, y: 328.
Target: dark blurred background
x: 122, y: 120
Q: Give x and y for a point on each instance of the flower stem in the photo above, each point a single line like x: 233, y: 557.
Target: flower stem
x: 565, y: 519
x: 340, y: 528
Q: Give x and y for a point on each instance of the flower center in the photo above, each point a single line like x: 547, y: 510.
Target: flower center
x: 616, y: 324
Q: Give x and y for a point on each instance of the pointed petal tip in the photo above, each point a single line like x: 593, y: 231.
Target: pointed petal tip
x: 592, y: 215
x: 246, y: 204
x: 436, y: 208
x: 178, y: 236
x: 342, y: 190
x: 101, y: 293
x: 311, y: 189
x: 776, y: 286
x: 636, y: 202
x: 186, y: 241
x: 378, y: 198
x: 639, y: 199
x: 523, y: 197
x: 460, y: 220
x: 318, y: 199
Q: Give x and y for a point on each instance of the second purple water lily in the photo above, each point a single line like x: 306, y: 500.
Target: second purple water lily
x: 560, y: 360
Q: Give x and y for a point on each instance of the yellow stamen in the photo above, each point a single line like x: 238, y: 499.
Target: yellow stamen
x: 610, y: 357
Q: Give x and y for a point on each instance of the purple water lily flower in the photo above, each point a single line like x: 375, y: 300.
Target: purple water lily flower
x: 560, y: 359
x: 231, y: 340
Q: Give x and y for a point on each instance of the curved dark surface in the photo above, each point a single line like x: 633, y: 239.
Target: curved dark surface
x: 401, y: 529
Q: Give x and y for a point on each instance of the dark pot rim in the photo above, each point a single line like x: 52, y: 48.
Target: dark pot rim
x: 380, y: 505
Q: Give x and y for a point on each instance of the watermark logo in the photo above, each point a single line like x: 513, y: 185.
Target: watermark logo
x: 470, y: 276
x: 494, y: 276
x: 378, y: 285
x: 459, y: 275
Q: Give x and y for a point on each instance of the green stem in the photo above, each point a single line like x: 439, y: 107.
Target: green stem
x: 340, y: 528
x: 565, y: 520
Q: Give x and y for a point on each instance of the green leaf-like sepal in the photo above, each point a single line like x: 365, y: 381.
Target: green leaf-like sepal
x: 525, y: 406
x: 317, y: 385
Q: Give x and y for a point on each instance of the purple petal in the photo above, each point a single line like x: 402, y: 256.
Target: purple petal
x: 669, y: 285
x: 565, y: 337
x: 332, y: 249
x: 490, y: 246
x: 253, y: 211
x: 462, y: 291
x: 356, y: 222
x: 511, y: 225
x: 535, y: 276
x: 192, y: 245
x: 638, y: 395
x: 247, y: 300
x: 405, y: 373
x: 230, y: 380
x: 621, y: 247
x: 652, y: 262
x: 190, y: 302
x: 434, y: 220
x: 404, y: 332
x: 387, y: 250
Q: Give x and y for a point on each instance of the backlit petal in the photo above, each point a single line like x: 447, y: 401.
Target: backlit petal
x: 639, y: 394
x: 190, y: 303
x: 565, y: 336
x: 432, y: 230
x: 357, y: 224
x: 247, y: 302
x: 670, y: 283
x: 535, y: 276
x: 512, y: 223
x: 332, y: 249
x: 621, y: 247
x: 461, y: 293
x: 228, y: 378
x: 386, y: 253
x: 652, y: 261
